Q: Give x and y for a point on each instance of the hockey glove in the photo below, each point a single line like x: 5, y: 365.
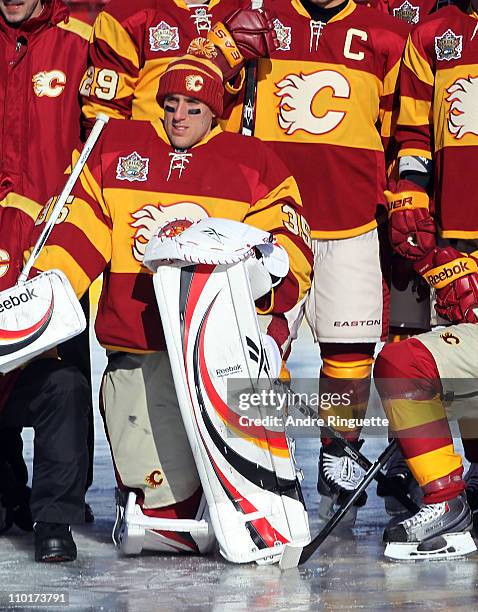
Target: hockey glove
x: 454, y: 276
x: 246, y: 34
x: 411, y: 227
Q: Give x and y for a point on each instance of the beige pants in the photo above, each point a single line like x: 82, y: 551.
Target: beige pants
x: 346, y: 301
x: 148, y: 441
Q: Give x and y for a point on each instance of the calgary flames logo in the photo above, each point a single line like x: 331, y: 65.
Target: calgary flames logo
x: 49, y: 84
x: 449, y: 338
x: 463, y: 115
x: 155, y: 479
x: 169, y: 220
x: 297, y: 94
x: 4, y: 262
x: 194, y: 82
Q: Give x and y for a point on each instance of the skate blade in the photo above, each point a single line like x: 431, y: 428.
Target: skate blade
x: 455, y: 545
x: 290, y: 557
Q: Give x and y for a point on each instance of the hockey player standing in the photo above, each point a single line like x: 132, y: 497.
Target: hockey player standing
x: 42, y: 61
x: 131, y: 46
x: 437, y: 133
x: 51, y: 396
x: 141, y: 177
x: 325, y: 104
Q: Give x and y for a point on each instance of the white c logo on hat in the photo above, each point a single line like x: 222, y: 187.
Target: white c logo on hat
x: 194, y: 82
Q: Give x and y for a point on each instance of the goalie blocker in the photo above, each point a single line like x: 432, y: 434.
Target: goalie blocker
x: 247, y: 473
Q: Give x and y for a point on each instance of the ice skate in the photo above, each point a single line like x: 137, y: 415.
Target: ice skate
x: 437, y: 531
x: 471, y: 480
x: 398, y: 475
x: 339, y: 475
x: 134, y: 531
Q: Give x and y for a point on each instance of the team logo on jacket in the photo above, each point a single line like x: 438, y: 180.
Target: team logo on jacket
x: 4, y: 262
x: 407, y: 12
x: 448, y: 46
x: 163, y: 37
x: 463, y: 114
x: 450, y: 338
x: 169, y: 220
x: 202, y: 20
x: 133, y: 167
x: 51, y: 83
x: 284, y: 35
x: 297, y: 93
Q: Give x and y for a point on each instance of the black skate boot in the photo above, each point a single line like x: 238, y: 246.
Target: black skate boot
x: 397, y: 475
x: 339, y: 475
x: 54, y: 543
x: 471, y: 480
x: 437, y: 531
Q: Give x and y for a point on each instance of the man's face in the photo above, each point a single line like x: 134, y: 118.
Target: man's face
x: 17, y: 11
x: 186, y: 120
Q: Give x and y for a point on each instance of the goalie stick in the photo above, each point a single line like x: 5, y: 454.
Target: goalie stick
x: 101, y: 121
x: 249, y: 104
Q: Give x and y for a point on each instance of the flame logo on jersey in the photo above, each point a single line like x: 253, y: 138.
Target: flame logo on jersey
x: 154, y: 480
x: 163, y: 37
x: 4, y: 262
x: 463, y: 115
x: 297, y: 94
x: 168, y: 220
x: 49, y: 84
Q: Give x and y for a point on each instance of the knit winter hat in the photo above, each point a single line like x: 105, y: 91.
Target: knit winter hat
x: 195, y: 77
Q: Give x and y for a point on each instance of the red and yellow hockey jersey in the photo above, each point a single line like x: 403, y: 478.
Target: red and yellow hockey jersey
x: 325, y: 102
x: 438, y: 113
x: 17, y: 216
x: 131, y: 47
x: 135, y: 183
x: 42, y: 62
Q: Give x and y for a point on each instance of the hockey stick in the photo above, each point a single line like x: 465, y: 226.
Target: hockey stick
x: 400, y: 494
x: 101, y: 121
x: 292, y: 556
x: 249, y: 104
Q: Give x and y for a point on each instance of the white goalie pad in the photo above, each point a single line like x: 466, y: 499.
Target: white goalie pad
x: 246, y: 468
x: 133, y: 531
x: 36, y: 316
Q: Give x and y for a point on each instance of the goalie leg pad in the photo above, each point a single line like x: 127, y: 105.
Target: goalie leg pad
x: 247, y: 472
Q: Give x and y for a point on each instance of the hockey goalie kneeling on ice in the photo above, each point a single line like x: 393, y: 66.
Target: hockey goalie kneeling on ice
x: 205, y: 282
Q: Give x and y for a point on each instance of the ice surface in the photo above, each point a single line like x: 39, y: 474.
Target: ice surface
x: 348, y: 573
